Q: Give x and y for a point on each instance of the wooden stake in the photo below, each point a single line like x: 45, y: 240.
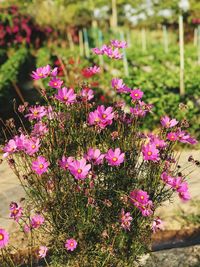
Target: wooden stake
x: 181, y: 47
x: 165, y: 39
x: 144, y: 42
x: 114, y: 14
x: 81, y: 48
x: 198, y: 44
x: 71, y: 43
x: 86, y: 43
x: 195, y: 36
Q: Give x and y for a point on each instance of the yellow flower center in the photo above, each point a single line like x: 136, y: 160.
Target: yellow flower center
x: 1, y: 237
x: 136, y: 94
x: 15, y: 212
x: 79, y: 171
x: 41, y: 166
x: 142, y: 197
x: 114, y: 159
x: 66, y: 166
x: 172, y: 137
x: 149, y: 153
x: 104, y: 116
x: 71, y: 244
x: 96, y: 120
x: 33, y: 146
x: 65, y: 98
x: 40, y: 74
x: 55, y: 84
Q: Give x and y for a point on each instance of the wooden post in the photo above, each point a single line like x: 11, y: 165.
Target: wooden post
x: 86, y: 43
x: 100, y: 43
x: 81, y: 48
x: 114, y: 14
x: 165, y: 39
x: 195, y: 37
x: 143, y: 38
x: 198, y: 44
x: 125, y: 62
x: 181, y: 47
x: 71, y: 43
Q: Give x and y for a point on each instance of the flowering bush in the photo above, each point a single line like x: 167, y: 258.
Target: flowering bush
x: 93, y: 179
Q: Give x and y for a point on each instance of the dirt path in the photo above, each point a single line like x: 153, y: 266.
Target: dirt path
x: 10, y: 190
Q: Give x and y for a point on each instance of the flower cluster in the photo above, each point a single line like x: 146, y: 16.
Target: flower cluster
x: 140, y: 199
x: 112, y: 50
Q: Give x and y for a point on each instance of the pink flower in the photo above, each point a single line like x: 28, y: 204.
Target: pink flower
x: 32, y: 146
x: 97, y: 51
x: 125, y: 219
x: 65, y: 162
x: 39, y: 129
x: 4, y: 238
x: 36, y: 221
x: 157, y: 141
x: 101, y: 116
x: 40, y: 165
x: 136, y: 94
x: 66, y: 96
x: 55, y: 83
x: 114, y: 157
x: 166, y: 178
x: 70, y: 244
x: 150, y: 152
x: 20, y: 141
x: 157, y: 224
x: 167, y: 122
x: 119, y: 86
x: 15, y: 211
x: 87, y: 94
x: 172, y: 136
x: 41, y: 72
x: 138, y: 197
x: 184, y: 137
x: 42, y: 251
x: 36, y: 113
x: 94, y: 156
x: 79, y: 169
x: 119, y: 44
x: 9, y: 148
x: 54, y: 72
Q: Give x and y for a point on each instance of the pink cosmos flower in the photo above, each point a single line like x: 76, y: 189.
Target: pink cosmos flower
x: 87, y: 94
x: 139, y: 197
x: 114, y: 54
x: 54, y: 72
x: 70, y: 244
x: 20, y: 141
x: 93, y: 118
x: 26, y: 228
x: 119, y: 86
x: 42, y: 251
x: 39, y: 129
x: 16, y: 211
x: 157, y: 224
x: 157, y: 141
x: 41, y: 72
x: 66, y: 96
x: 55, y: 83
x: 101, y: 116
x: 150, y: 152
x: 172, y: 136
x: 36, y: 221
x: 40, y: 165
x: 94, y: 155
x: 184, y: 137
x: 9, y: 148
x: 114, y: 157
x: 97, y: 51
x: 4, y: 238
x: 166, y: 178
x: 119, y: 44
x: 125, y: 219
x: 136, y: 94
x: 167, y: 122
x: 32, y: 146
x: 79, y: 168
x: 65, y: 162
x: 36, y: 113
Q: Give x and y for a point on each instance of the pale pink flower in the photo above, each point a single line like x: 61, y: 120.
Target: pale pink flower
x: 125, y: 219
x: 4, y: 238
x: 32, y: 146
x: 79, y: 168
x: 70, y: 244
x: 42, y: 251
x: 167, y: 122
x: 136, y: 94
x: 67, y: 96
x: 157, y: 224
x: 40, y: 165
x: 94, y: 155
x: 36, y: 221
x: 65, y: 162
x: 55, y: 83
x: 41, y: 72
x: 87, y: 94
x: 9, y: 148
x: 39, y: 129
x: 115, y: 157
x: 118, y: 44
x: 16, y: 211
x: 36, y: 113
x: 150, y: 152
